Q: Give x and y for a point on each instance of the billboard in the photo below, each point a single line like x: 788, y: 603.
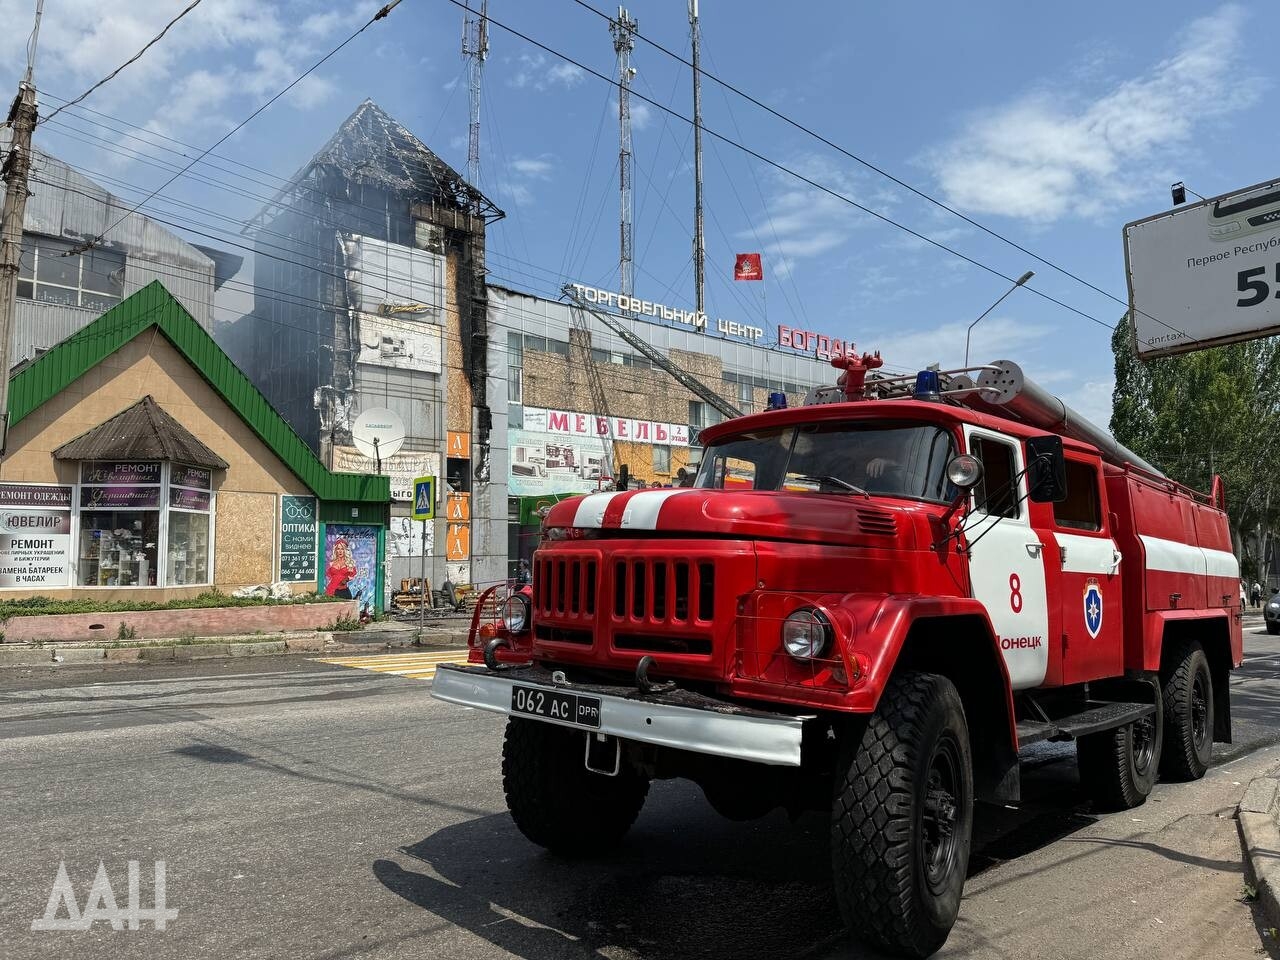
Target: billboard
x: 35, y: 543
x: 388, y: 278
x: 1206, y: 273
x: 402, y: 468
x: 398, y: 343
x: 544, y: 463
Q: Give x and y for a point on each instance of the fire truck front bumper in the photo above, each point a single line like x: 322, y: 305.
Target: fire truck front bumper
x: 679, y: 719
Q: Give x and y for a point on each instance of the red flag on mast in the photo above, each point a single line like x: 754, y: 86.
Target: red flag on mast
x: 748, y: 267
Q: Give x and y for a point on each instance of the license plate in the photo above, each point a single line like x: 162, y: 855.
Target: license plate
x: 556, y: 705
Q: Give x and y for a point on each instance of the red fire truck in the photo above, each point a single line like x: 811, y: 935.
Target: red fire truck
x: 867, y: 605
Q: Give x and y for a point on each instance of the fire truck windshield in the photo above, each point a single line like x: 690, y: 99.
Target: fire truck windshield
x: 881, y: 458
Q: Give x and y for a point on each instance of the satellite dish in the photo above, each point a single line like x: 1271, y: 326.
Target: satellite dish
x: 378, y: 434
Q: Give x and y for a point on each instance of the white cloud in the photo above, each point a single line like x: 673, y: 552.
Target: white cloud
x: 566, y: 75
x: 1043, y: 157
x: 994, y: 338
x: 533, y: 71
x: 538, y: 168
x: 800, y: 222
x: 216, y: 64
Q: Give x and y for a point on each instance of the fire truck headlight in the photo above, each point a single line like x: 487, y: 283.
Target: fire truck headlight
x: 964, y: 471
x: 806, y: 633
x: 515, y: 614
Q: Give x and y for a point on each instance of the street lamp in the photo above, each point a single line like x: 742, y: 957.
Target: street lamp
x: 1017, y: 283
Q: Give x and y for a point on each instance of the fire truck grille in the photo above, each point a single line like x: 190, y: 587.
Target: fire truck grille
x: 565, y: 587
x: 666, y: 591
x: 662, y: 644
x: 560, y: 635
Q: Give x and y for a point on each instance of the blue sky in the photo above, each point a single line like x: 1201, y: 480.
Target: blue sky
x: 1053, y: 130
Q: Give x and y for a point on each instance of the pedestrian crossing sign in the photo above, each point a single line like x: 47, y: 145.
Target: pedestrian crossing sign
x: 424, y: 498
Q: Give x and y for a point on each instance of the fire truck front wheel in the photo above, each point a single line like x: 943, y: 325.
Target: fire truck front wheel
x: 556, y: 801
x: 903, y: 816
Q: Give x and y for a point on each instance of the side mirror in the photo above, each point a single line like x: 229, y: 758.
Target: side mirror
x: 1046, y: 469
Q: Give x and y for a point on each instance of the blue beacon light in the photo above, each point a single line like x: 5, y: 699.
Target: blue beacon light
x: 928, y: 386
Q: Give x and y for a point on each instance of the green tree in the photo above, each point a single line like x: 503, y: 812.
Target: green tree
x: 1215, y: 411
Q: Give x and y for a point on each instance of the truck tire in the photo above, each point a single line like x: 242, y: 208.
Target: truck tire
x: 1188, y: 712
x: 902, y: 817
x: 1273, y: 628
x: 1118, y: 767
x: 556, y: 801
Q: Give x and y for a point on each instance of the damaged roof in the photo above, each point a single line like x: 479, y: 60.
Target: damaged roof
x: 143, y: 431
x: 372, y: 148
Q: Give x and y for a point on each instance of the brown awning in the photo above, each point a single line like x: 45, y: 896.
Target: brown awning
x: 141, y: 432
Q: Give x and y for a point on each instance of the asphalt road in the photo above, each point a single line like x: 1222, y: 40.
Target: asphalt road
x: 317, y: 811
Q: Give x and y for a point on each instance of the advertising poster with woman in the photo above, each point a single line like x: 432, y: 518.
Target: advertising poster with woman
x: 351, y: 564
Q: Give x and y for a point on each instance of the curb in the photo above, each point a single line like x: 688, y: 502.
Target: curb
x: 217, y: 648
x: 1260, y: 834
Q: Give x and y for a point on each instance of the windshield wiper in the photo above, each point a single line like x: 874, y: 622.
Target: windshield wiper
x: 832, y: 482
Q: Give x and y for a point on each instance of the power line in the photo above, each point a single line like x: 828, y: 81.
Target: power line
x: 80, y: 248
x: 817, y: 185
x: 888, y: 176
x: 134, y: 59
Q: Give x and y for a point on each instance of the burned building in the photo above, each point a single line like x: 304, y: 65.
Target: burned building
x: 370, y: 293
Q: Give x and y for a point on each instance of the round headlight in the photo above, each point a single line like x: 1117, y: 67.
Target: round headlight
x: 806, y: 633
x: 964, y: 471
x: 515, y: 614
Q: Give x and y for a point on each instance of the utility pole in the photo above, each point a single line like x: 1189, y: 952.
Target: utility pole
x: 699, y: 242
x: 16, y: 167
x: 475, y: 47
x: 623, y: 30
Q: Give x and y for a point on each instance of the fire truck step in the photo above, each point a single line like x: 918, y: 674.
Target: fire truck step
x: 1097, y: 716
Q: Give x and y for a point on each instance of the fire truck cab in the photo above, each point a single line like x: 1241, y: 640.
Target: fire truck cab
x: 866, y: 605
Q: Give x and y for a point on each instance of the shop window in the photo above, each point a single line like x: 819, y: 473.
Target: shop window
x: 126, y: 526
x: 661, y: 459
x: 93, y: 279
x: 118, y: 548
x: 190, y: 501
x: 1081, y: 509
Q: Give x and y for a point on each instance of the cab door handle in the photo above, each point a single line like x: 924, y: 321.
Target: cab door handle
x: 1033, y: 550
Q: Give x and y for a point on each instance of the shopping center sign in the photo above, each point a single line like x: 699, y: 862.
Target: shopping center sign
x: 660, y: 311
x: 816, y: 344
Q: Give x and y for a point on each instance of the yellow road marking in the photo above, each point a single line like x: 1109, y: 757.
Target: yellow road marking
x: 411, y: 666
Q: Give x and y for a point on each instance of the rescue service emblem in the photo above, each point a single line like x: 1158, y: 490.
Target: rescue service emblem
x: 1092, y: 607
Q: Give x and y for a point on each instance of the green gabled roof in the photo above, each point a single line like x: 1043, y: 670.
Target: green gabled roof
x: 154, y: 306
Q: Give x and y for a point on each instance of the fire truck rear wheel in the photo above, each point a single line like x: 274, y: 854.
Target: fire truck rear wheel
x: 1118, y: 767
x: 556, y: 801
x: 902, y: 818
x: 1188, y: 713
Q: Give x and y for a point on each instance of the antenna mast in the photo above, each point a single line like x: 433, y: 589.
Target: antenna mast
x: 623, y: 30
x: 475, y: 46
x: 699, y: 242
